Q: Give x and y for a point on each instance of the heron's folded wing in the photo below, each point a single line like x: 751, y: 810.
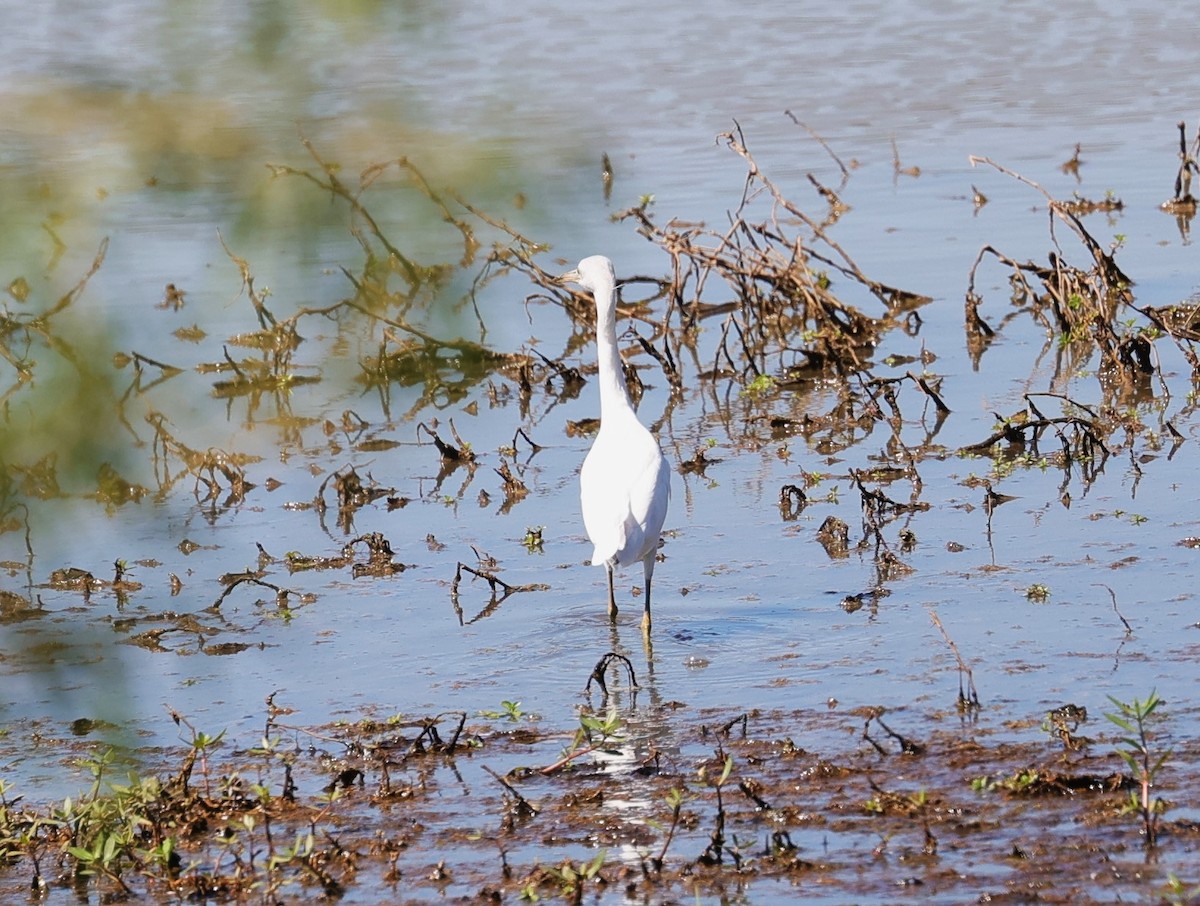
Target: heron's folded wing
x: 625, y: 499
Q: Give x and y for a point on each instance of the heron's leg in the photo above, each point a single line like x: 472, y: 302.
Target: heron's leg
x: 612, y: 597
x: 648, y: 569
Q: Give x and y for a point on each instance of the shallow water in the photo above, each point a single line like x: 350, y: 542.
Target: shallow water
x: 156, y: 134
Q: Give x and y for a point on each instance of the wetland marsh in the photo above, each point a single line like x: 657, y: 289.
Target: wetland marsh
x: 293, y: 417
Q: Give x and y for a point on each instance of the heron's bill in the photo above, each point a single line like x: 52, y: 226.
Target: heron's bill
x: 569, y: 277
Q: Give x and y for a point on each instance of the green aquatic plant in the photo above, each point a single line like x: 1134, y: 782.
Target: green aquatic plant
x: 1145, y: 762
x: 1021, y: 781
x: 572, y: 878
x: 759, y: 386
x: 674, y: 798
x: 716, y: 843
x: 1178, y: 893
x: 509, y: 710
x: 594, y: 734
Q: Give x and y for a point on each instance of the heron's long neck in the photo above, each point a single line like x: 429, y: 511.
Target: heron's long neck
x: 614, y: 394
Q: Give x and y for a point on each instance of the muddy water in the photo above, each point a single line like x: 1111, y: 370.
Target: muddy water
x: 156, y: 135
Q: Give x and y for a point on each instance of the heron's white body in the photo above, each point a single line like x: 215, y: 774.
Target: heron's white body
x: 624, y: 491
x: 625, y: 483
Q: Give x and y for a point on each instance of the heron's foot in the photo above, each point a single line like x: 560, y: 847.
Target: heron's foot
x: 612, y: 611
x: 646, y: 622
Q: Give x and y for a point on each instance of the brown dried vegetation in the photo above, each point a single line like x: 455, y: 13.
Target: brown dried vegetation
x: 716, y: 805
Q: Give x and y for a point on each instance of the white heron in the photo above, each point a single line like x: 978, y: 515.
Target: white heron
x: 625, y: 483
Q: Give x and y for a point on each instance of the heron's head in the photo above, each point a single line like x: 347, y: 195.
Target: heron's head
x: 591, y: 273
